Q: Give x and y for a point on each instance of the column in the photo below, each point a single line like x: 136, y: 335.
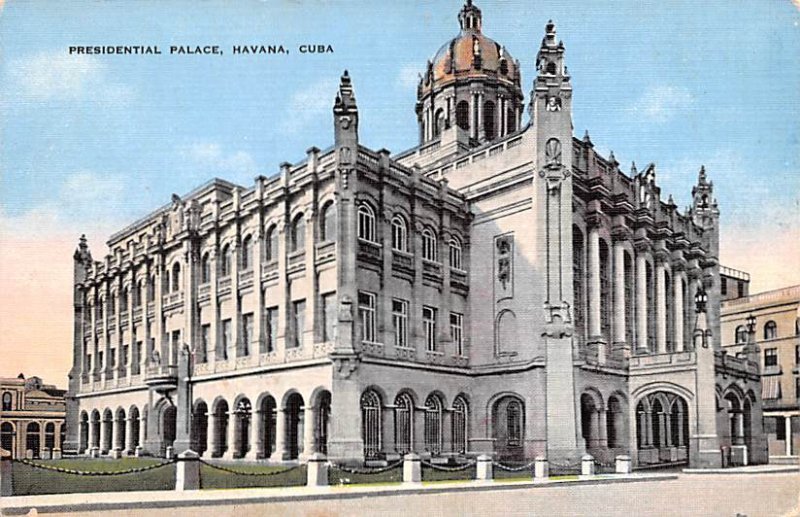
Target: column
x: 788, y: 433
x: 668, y: 430
x: 231, y: 432
x: 104, y: 445
x: 500, y: 116
x: 661, y: 306
x: 283, y: 340
x: 473, y: 120
x: 258, y: 317
x: 641, y: 303
x: 312, y: 294
x: 680, y: 443
x: 115, y: 429
x: 308, y: 432
x: 256, y: 442
x: 619, y: 293
x: 602, y: 423
x: 678, y: 307
x: 144, y: 357
x: 159, y: 304
x: 213, y: 439
x: 236, y: 348
x: 594, y: 284
x: 214, y: 353
x: 648, y: 415
x: 280, y: 435
x: 129, y: 435
x: 480, y: 129
x: 142, y: 430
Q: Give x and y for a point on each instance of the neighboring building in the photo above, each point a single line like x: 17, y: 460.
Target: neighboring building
x: 31, y: 417
x: 777, y: 334
x: 500, y: 288
x: 733, y: 284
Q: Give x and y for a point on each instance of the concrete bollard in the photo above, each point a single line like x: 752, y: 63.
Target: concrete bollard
x: 412, y: 468
x: 541, y: 470
x: 6, y: 485
x: 170, y: 452
x: 587, y: 465
x: 29, y: 454
x: 94, y: 452
x: 317, y: 470
x: 116, y: 454
x: 624, y: 465
x: 47, y: 454
x: 138, y: 451
x: 484, y: 468
x: 56, y: 454
x: 187, y: 474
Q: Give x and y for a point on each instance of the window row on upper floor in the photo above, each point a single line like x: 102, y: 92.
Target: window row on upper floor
x: 770, y: 331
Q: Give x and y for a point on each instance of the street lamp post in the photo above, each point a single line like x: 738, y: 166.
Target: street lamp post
x: 702, y: 334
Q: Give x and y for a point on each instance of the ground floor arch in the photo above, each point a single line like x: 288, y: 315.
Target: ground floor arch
x: 662, y: 429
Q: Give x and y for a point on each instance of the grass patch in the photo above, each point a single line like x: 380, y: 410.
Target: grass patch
x: 28, y: 480
x: 431, y: 474
x: 340, y: 477
x: 269, y: 476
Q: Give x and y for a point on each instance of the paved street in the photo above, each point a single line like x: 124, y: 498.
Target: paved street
x: 724, y: 495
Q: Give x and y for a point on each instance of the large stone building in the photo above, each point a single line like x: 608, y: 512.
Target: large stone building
x: 772, y: 320
x: 499, y: 288
x: 31, y: 418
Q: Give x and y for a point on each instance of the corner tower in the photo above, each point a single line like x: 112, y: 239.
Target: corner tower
x: 471, y: 87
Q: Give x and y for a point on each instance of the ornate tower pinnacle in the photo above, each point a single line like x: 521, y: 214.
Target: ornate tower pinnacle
x: 470, y: 18
x: 704, y: 206
x: 345, y: 113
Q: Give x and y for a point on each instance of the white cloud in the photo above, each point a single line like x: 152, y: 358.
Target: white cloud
x: 210, y: 156
x: 311, y: 104
x: 661, y: 103
x: 87, y: 186
x: 408, y: 77
x: 56, y: 75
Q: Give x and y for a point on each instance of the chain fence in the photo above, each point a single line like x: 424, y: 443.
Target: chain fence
x: 62, y: 470
x: 249, y: 473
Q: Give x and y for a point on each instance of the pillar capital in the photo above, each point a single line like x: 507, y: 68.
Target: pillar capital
x: 642, y: 245
x: 621, y: 233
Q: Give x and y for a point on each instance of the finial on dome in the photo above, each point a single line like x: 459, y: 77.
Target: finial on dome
x: 634, y: 172
x: 469, y: 18
x: 586, y: 139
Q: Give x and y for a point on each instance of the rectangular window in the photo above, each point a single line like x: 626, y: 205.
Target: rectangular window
x: 723, y: 286
x: 429, y: 322
x: 797, y: 354
x: 298, y: 322
x: 797, y: 388
x: 770, y: 357
x: 205, y: 342
x: 330, y: 317
x: 112, y: 358
x: 366, y: 314
x: 100, y: 363
x: 780, y: 428
x: 135, y: 367
x: 123, y: 360
x: 226, y: 337
x: 457, y: 332
x: 176, y: 346
x: 741, y: 289
x: 272, y: 328
x: 247, y: 332
x: 87, y: 365
x: 400, y: 322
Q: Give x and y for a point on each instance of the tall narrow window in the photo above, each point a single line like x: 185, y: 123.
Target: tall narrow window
x: 403, y: 423
x: 429, y: 251
x: 247, y: 253
x: 271, y: 244
x: 227, y: 337
x: 578, y: 289
x: 462, y: 115
x: 329, y: 313
x: 299, y: 233
x: 770, y: 330
x: 205, y: 269
x: 455, y: 254
x: 138, y: 293
x: 605, y: 290
x: 457, y: 332
x: 7, y: 401
x: 328, y: 219
x: 225, y: 266
x: 770, y: 357
x: 176, y: 279
x: 514, y: 423
x: 371, y: 423
x: 366, y: 313
x: 741, y: 334
x: 247, y: 332
x: 429, y: 323
x: 400, y: 322
x: 176, y: 346
x: 272, y: 328
x: 366, y: 222
x: 459, y: 419
x: 433, y: 424
x: 298, y: 322
x: 112, y: 307
x: 399, y: 234
x: 123, y: 301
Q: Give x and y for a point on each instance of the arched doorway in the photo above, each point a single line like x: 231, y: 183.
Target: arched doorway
x: 121, y: 431
x: 735, y: 420
x: 32, y: 442
x: 459, y: 425
x: 322, y: 415
x: 83, y: 434
x: 662, y: 429
x: 371, y: 423
x: 590, y: 422
x: 220, y: 430
x: 242, y: 421
x: 403, y: 423
x: 95, y: 429
x: 200, y: 428
x: 168, y: 427
x: 50, y: 437
x: 108, y: 428
x: 295, y: 409
x: 433, y: 424
x: 268, y: 425
x: 134, y: 427
x: 616, y: 428
x: 508, y: 428
x: 7, y: 436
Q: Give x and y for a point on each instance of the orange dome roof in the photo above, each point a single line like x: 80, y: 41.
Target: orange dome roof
x: 470, y: 54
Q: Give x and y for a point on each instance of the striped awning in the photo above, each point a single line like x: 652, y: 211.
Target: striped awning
x: 771, y: 387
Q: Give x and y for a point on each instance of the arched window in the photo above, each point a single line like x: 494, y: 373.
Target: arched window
x: 7, y: 436
x: 399, y: 234
x: 462, y: 115
x: 299, y: 233
x: 404, y: 422
x: 429, y: 251
x: 176, y: 277
x: 770, y: 330
x: 371, y: 423
x: 489, y: 120
x: 138, y: 294
x: 151, y: 289
x: 271, y: 244
x: 460, y: 418
x: 328, y: 228
x: 50, y: 436
x: 366, y: 222
x: 741, y: 334
x: 514, y: 422
x: 247, y: 253
x: 32, y: 438
x: 511, y: 121
x: 225, y: 265
x: 7, y: 401
x: 205, y: 270
x: 455, y: 254
x: 433, y: 424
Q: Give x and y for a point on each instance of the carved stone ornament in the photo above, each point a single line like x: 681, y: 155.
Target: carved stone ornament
x: 345, y: 155
x: 553, y: 103
x: 552, y: 153
x: 345, y: 122
x: 558, y: 321
x: 345, y: 365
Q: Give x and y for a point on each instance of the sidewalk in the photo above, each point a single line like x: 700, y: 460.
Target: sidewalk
x: 750, y: 469
x: 20, y: 505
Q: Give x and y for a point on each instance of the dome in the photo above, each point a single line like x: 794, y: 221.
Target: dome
x: 470, y: 55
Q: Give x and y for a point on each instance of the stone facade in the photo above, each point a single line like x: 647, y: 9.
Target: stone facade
x: 31, y: 418
x: 776, y: 332
x: 502, y: 290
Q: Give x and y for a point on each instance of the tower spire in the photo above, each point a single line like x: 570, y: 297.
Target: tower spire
x: 470, y: 18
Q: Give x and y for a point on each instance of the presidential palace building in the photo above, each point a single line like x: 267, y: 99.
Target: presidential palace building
x: 500, y: 288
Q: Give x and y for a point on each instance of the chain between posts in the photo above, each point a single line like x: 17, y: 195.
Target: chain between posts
x: 379, y: 470
x: 240, y: 473
x: 466, y: 466
x: 62, y: 470
x: 508, y: 468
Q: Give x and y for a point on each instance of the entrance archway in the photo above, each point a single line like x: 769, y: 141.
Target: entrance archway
x: 295, y: 409
x: 508, y: 428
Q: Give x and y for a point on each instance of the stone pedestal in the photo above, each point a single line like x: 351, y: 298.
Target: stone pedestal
x: 116, y: 454
x: 56, y: 454
x: 412, y: 468
x: 170, y: 452
x: 6, y: 486
x: 317, y: 470
x: 624, y: 465
x: 138, y: 451
x: 484, y: 468
x: 187, y: 474
x: 587, y: 465
x: 541, y: 470
x: 94, y: 452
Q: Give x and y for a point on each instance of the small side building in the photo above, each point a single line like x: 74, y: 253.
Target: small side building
x: 31, y: 417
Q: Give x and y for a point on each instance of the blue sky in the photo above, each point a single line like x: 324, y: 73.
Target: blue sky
x: 89, y: 143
